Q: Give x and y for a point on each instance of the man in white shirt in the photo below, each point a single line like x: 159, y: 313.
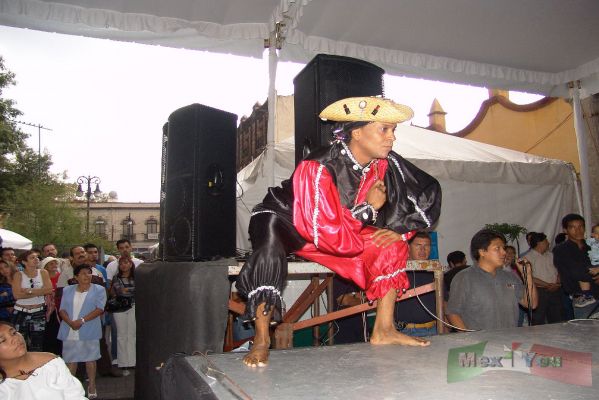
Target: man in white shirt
x: 124, y: 248
x: 78, y: 257
x: 550, y: 308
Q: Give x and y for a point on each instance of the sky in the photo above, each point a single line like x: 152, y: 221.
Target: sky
x: 106, y: 101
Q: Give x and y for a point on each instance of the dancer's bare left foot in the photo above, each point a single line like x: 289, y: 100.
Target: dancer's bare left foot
x: 258, y: 356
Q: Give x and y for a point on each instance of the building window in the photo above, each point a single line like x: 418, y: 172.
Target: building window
x: 152, y: 229
x: 128, y: 227
x: 151, y: 225
x: 100, y: 227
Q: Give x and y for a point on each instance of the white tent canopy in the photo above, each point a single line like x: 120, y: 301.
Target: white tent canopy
x: 482, y: 184
x: 543, y: 46
x: 530, y: 45
x: 14, y: 240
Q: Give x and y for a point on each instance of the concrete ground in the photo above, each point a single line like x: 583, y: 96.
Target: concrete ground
x: 115, y: 388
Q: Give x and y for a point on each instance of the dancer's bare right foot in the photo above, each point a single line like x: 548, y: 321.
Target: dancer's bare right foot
x: 258, y: 355
x: 392, y: 336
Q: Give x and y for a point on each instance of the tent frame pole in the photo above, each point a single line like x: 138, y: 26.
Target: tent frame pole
x: 581, y: 140
x: 273, y: 60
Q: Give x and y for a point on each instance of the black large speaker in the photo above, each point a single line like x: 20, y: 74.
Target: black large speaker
x: 181, y: 307
x: 199, y: 207
x: 323, y: 81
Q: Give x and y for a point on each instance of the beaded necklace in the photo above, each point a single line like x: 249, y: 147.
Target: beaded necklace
x: 346, y: 151
x: 24, y: 373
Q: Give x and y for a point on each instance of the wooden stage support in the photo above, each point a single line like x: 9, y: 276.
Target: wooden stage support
x: 321, y: 280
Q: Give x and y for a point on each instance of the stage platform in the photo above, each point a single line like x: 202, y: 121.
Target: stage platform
x: 359, y: 371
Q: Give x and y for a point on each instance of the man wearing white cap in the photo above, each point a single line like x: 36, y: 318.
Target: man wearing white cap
x: 350, y: 206
x: 49, y: 250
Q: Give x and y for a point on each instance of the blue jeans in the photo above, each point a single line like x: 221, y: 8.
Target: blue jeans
x: 522, y: 316
x: 568, y: 309
x: 419, y: 332
x: 242, y: 331
x: 583, y: 312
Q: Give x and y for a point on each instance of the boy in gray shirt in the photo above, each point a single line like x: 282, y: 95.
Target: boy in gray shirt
x: 485, y: 296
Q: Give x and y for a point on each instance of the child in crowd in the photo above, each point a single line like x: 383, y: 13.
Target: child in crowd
x: 587, y: 298
x: 593, y: 243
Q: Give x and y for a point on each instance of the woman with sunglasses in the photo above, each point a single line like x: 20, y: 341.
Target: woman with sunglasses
x: 29, y: 288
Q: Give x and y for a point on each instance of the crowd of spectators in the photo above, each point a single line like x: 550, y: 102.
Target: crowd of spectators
x: 56, y: 305
x: 503, y: 288
x: 563, y: 281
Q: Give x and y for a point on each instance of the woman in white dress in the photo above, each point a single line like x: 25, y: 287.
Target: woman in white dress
x: 80, y: 330
x: 32, y: 375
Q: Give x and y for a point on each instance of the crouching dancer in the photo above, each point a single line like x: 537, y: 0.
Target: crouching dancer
x: 350, y: 206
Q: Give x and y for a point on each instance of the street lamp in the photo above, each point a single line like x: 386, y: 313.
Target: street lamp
x: 89, y: 181
x: 128, y: 227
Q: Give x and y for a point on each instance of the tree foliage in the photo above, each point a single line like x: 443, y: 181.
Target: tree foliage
x: 39, y: 214
x: 512, y: 232
x: 33, y: 201
x: 12, y: 140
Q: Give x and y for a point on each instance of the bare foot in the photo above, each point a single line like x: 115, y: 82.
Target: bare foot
x: 258, y: 356
x: 396, y: 337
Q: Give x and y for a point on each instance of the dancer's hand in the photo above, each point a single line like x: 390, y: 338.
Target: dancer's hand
x: 385, y: 237
x: 377, y: 194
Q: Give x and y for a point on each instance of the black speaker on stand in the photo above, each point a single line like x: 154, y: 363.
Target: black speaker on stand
x: 199, y: 204
x: 324, y: 80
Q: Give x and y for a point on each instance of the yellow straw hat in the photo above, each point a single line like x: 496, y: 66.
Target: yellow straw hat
x: 367, y: 109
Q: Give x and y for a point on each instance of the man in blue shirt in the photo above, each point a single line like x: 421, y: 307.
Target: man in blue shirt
x: 105, y: 366
x: 410, y: 316
x: 92, y: 258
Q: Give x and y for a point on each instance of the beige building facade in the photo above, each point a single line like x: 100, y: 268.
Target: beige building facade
x: 138, y: 222
x: 543, y: 128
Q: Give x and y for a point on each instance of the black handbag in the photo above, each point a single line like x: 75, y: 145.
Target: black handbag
x: 118, y: 304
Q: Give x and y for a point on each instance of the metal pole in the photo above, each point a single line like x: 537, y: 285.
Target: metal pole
x: 39, y: 150
x: 89, y: 181
x: 272, y: 106
x: 88, y: 194
x: 39, y: 143
x: 581, y: 141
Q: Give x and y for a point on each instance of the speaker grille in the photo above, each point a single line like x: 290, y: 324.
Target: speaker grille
x: 323, y: 81
x: 200, y: 185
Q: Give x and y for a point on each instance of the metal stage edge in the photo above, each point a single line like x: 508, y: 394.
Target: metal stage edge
x: 359, y: 371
